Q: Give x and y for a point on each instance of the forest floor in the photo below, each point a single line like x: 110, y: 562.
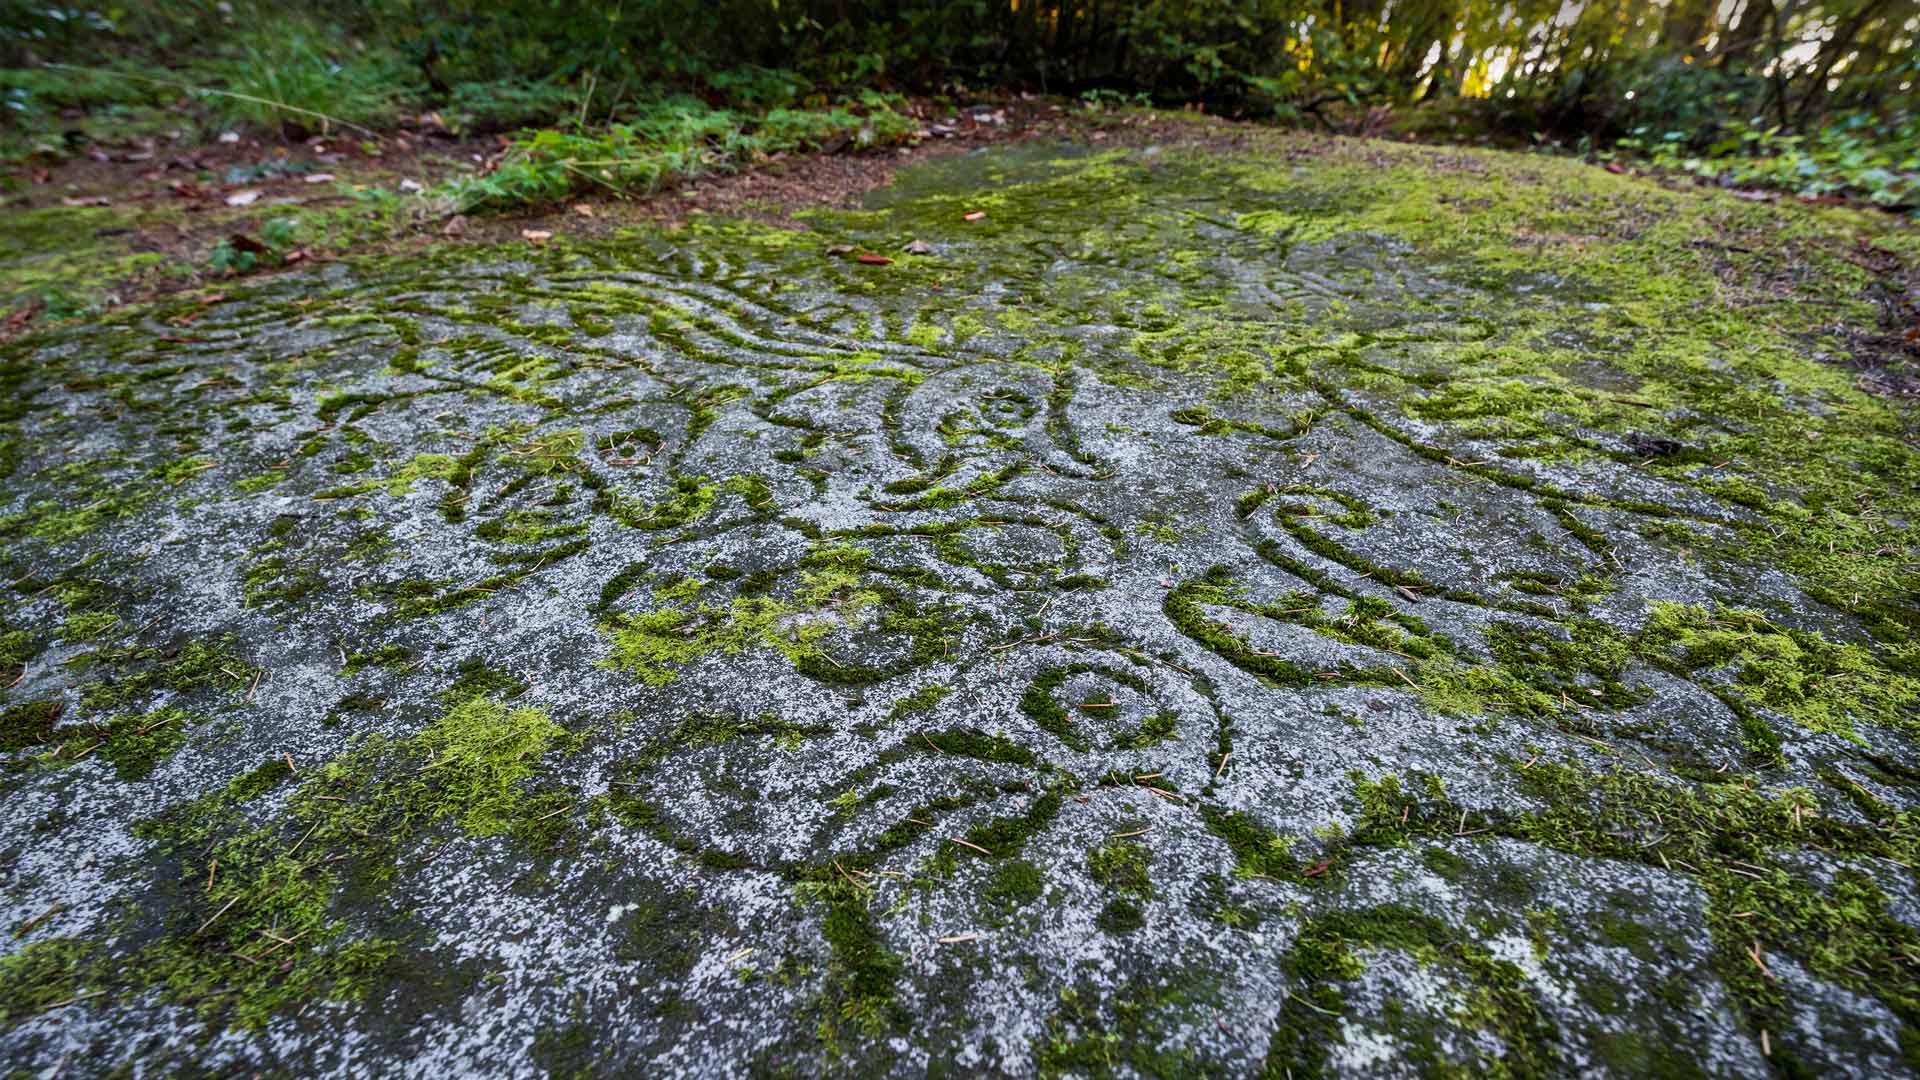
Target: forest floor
x: 1085, y: 596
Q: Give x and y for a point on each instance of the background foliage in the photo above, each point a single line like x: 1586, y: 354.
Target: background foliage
x: 1802, y: 87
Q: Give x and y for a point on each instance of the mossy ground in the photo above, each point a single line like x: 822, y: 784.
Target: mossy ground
x: 1327, y: 608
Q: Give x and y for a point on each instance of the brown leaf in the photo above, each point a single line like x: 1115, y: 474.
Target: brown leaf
x: 84, y: 200
x: 1318, y: 868
x: 583, y: 210
x: 840, y: 249
x: 973, y: 215
x: 874, y: 260
x: 243, y: 242
x: 242, y: 198
x: 455, y: 226
x: 536, y: 236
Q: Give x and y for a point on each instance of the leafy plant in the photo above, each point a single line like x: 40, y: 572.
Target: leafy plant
x: 1855, y: 155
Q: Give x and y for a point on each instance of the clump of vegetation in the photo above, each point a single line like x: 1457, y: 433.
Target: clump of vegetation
x: 241, y: 254
x: 678, y: 139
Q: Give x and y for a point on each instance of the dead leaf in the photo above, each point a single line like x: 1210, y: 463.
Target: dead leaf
x: 1616, y: 168
x: 242, y: 198
x: 536, y: 236
x: 243, y: 242
x: 840, y: 249
x: 213, y: 298
x: 918, y: 247
x: 583, y: 210
x: 874, y: 260
x: 411, y: 186
x: 455, y: 226
x: 84, y: 200
x: 973, y: 215
x: 1318, y: 868
x: 318, y: 178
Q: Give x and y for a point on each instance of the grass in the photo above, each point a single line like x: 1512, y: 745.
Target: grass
x: 283, y: 78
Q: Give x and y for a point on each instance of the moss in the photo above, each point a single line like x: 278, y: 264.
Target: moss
x: 701, y: 731
x: 1822, y: 685
x: 528, y: 527
x: 42, y: 975
x: 655, y: 646
x: 1121, y: 915
x: 688, y: 499
x: 261, y: 779
x: 186, y: 668
x: 481, y: 750
x: 1497, y: 1002
x: 925, y: 699
x: 1121, y: 866
x: 275, y: 581
x: 1015, y: 883
x: 1005, y: 837
x: 1257, y: 852
x: 1153, y: 731
x: 29, y: 724
x: 391, y: 656
x: 1134, y: 1030
x: 1183, y: 609
x: 1729, y: 836
x: 473, y: 679
x: 135, y: 745
x: 1624, y: 356
x: 247, y: 891
x: 963, y: 742
x: 1040, y: 701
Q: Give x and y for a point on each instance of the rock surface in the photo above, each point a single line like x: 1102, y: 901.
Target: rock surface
x: 1329, y: 610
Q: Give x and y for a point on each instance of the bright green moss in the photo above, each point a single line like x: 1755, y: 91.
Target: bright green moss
x: 481, y: 750
x: 281, y: 889
x: 1122, y: 866
x: 925, y: 699
x: 1821, y: 685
